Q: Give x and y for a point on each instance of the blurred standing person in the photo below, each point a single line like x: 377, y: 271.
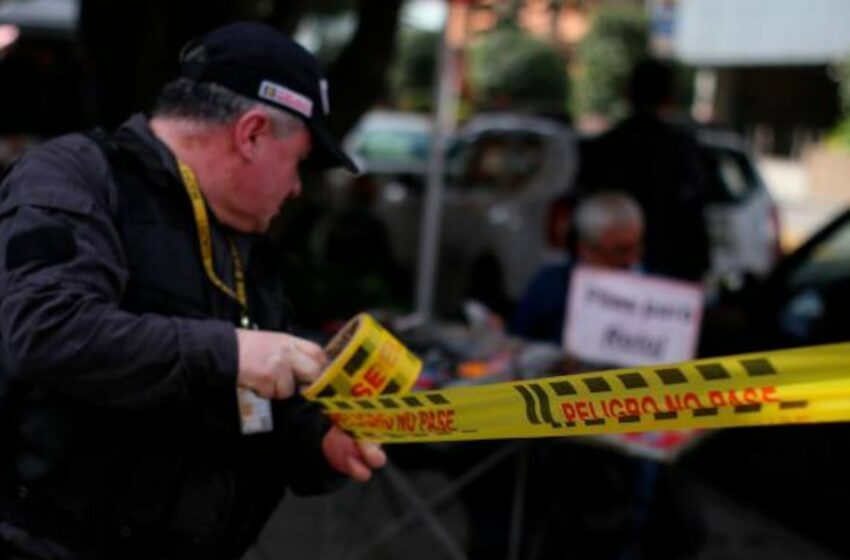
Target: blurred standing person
x: 659, y: 164
x: 607, y: 232
x: 136, y: 296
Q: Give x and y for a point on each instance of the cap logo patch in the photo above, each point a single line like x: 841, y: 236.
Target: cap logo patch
x: 286, y: 97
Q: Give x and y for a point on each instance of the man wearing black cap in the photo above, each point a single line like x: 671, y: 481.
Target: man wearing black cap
x: 140, y: 320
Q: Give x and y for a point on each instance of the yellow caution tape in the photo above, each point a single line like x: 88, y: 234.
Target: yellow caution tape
x: 366, y: 360
x: 798, y: 386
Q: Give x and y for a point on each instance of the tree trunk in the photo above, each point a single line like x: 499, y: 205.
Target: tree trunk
x: 358, y: 76
x: 134, y: 46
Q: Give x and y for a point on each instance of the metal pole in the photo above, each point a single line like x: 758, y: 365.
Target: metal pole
x: 429, y: 240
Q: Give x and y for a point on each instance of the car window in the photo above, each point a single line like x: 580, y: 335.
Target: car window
x: 829, y: 261
x: 730, y: 175
x: 496, y: 161
x: 817, y: 292
x: 394, y: 146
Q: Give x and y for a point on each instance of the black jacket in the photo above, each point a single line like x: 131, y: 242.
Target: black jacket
x: 118, y: 362
x: 659, y: 164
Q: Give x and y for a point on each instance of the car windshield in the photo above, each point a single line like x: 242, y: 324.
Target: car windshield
x: 394, y: 146
x: 495, y: 160
x: 828, y: 262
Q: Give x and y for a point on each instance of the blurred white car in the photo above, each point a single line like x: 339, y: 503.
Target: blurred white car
x: 742, y: 218
x: 505, y: 177
x: 505, y: 203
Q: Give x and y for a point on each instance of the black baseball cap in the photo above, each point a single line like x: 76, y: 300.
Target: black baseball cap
x: 260, y: 62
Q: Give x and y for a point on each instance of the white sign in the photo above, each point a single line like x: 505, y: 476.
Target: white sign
x: 626, y: 319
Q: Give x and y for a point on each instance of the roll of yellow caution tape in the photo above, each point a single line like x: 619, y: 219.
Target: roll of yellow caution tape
x: 785, y: 387
x: 365, y: 360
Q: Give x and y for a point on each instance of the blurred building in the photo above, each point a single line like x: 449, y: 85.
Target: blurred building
x: 764, y: 65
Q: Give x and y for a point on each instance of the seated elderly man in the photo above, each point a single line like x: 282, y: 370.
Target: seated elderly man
x: 607, y: 232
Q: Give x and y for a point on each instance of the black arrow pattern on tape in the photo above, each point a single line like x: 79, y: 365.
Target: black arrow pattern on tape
x: 633, y: 380
x: 545, y: 409
x: 356, y: 360
x: 713, y: 372
x: 388, y: 403
x: 412, y: 401
x: 530, y: 404
x: 597, y: 385
x: 671, y: 376
x: 790, y: 405
x: 758, y: 367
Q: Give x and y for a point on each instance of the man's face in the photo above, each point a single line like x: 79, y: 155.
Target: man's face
x: 271, y: 177
x: 618, y: 247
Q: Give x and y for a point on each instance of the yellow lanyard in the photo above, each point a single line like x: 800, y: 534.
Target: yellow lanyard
x: 202, y: 223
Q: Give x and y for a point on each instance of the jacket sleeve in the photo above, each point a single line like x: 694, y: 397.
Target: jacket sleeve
x: 62, y: 274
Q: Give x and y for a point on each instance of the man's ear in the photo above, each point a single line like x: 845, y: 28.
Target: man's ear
x: 250, y: 127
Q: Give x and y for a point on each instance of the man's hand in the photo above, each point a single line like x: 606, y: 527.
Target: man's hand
x: 357, y: 459
x: 273, y: 364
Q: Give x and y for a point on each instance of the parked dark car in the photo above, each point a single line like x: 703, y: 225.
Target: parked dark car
x: 796, y: 474
x: 803, y: 301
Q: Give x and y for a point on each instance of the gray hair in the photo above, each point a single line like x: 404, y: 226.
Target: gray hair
x: 210, y: 104
x: 604, y: 210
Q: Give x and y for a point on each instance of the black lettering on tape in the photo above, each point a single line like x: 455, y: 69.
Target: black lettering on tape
x: 713, y: 372
x: 545, y: 409
x: 758, y: 367
x: 671, y: 376
x: 437, y: 399
x: 530, y: 404
x: 700, y: 412
x: 597, y: 385
x: 747, y: 408
x: 356, y: 361
x: 388, y: 402
x: 563, y: 388
x: 595, y: 422
x: 629, y: 419
x: 632, y: 380
x: 342, y: 405
x: 789, y: 405
x: 571, y: 424
x: 670, y: 415
x: 411, y: 401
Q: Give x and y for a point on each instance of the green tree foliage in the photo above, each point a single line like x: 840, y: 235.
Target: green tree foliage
x: 617, y: 39
x: 510, y: 69
x: 412, y: 75
x: 840, y: 137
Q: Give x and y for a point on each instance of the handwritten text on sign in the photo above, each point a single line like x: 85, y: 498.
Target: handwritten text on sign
x: 619, y: 318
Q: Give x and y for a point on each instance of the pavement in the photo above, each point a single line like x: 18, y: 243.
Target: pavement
x: 388, y: 519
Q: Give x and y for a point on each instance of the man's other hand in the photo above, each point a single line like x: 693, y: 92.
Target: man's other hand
x: 274, y: 364
x: 356, y: 459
